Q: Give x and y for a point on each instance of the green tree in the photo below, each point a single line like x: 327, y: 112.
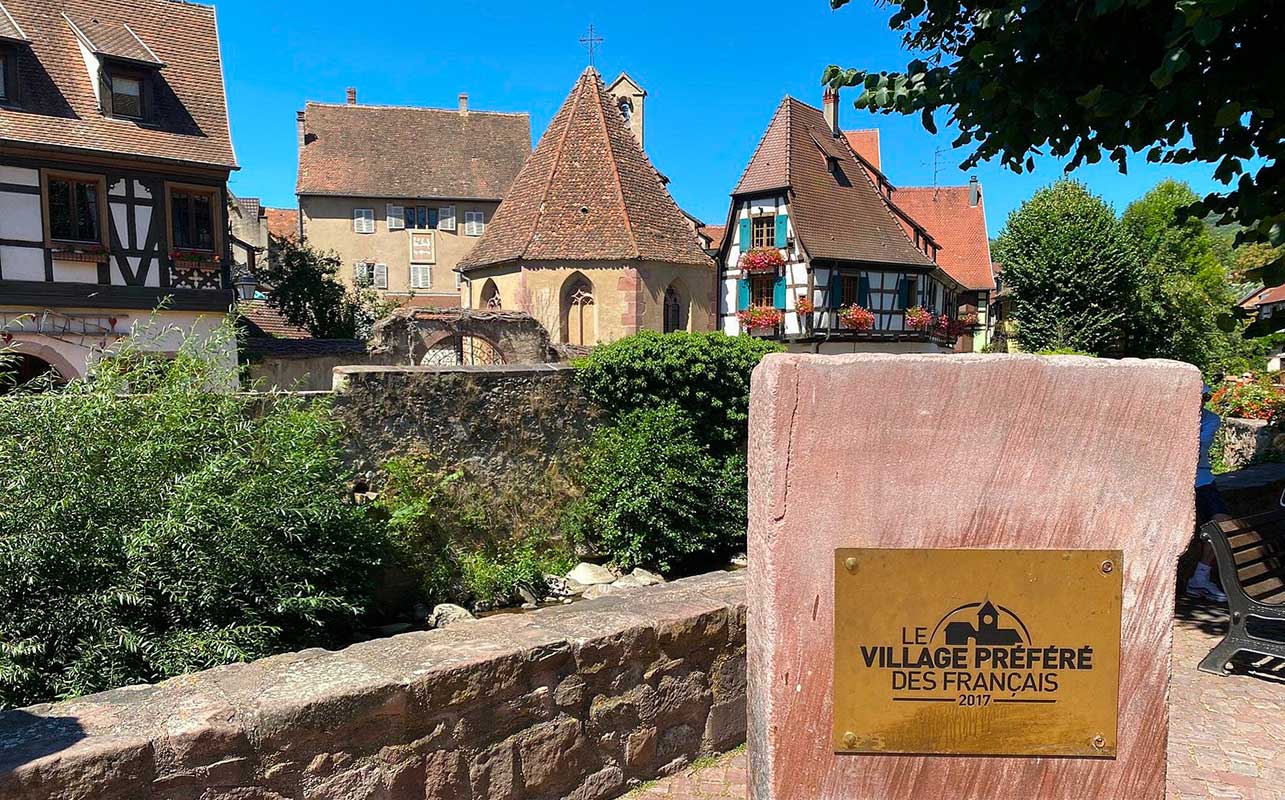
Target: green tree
x: 1183, y: 287
x: 1183, y: 80
x: 1072, y: 269
x: 303, y: 284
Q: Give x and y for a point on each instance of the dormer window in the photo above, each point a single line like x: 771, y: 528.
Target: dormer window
x: 126, y: 90
x: 8, y: 74
x: 831, y: 164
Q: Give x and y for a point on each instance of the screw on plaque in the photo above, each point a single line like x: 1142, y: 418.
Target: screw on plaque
x: 1099, y: 742
x: 1107, y: 567
x: 850, y: 563
x: 849, y: 740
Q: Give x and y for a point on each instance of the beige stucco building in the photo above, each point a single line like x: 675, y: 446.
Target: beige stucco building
x: 401, y: 218
x: 588, y: 240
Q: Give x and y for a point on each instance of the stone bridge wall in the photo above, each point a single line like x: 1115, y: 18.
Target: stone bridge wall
x: 573, y: 702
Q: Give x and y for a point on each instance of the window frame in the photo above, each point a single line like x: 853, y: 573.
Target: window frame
x: 768, y: 224
x: 426, y: 270
x: 395, y: 213
x: 113, y: 71
x: 757, y: 282
x: 47, y: 175
x: 472, y: 218
x: 364, y: 218
x: 216, y: 215
x: 9, y: 80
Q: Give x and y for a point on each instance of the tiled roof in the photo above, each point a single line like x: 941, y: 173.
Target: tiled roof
x: 959, y: 228
x: 1270, y: 294
x: 588, y: 193
x: 114, y: 39
x: 249, y: 207
x: 283, y: 222
x: 398, y: 151
x: 58, y: 107
x: 866, y: 143
x: 301, y: 348
x: 266, y: 320
x: 9, y: 28
x: 839, y: 215
x: 714, y: 233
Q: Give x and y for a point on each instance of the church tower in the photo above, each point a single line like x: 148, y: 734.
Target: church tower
x: 631, y: 98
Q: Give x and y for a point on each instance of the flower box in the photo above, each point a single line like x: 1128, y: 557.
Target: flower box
x: 803, y: 305
x: 857, y: 318
x: 87, y: 253
x: 761, y: 259
x: 759, y: 317
x: 195, y: 260
x: 919, y: 319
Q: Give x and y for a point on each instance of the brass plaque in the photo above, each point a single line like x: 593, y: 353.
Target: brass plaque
x: 976, y: 652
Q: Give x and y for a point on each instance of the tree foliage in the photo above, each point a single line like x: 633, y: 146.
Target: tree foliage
x: 1183, y: 288
x: 303, y: 284
x: 1072, y: 269
x: 1183, y: 80
x: 152, y: 527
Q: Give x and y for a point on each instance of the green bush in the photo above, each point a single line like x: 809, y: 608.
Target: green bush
x: 706, y: 374
x: 655, y: 496
x: 172, y: 529
x: 465, y: 542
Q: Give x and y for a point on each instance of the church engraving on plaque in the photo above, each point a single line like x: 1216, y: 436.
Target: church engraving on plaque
x: 977, y: 652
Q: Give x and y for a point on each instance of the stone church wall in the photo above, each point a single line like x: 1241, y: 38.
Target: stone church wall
x: 501, y: 422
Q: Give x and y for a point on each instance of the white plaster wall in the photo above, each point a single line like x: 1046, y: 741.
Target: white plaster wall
x: 22, y: 263
x: 74, y: 272
x: 20, y: 217
x: 23, y: 176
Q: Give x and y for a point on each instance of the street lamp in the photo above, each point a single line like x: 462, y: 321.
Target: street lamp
x: 245, y: 285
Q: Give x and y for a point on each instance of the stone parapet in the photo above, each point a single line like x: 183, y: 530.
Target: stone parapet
x: 575, y: 702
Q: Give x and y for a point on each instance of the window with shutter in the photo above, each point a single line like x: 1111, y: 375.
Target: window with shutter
x: 381, y: 276
x: 361, y: 273
x: 473, y: 223
x: 446, y: 218
x: 420, y: 276
x: 363, y: 220
x: 396, y: 217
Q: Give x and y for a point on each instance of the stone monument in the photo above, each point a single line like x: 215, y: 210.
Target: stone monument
x: 962, y: 574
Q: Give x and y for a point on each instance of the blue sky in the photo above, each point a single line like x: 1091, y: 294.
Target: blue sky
x: 715, y: 71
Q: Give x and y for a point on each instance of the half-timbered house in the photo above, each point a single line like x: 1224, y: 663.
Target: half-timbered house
x: 114, y: 158
x: 818, y: 254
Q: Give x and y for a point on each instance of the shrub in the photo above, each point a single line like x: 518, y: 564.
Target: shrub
x: 149, y: 534
x: 706, y: 374
x: 464, y: 542
x: 655, y: 496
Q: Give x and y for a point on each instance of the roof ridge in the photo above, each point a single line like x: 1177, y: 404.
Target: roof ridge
x: 615, y: 167
x: 387, y: 106
x: 553, y: 168
x: 947, y: 186
x: 759, y: 146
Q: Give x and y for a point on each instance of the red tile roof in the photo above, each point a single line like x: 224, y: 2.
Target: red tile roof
x: 9, y: 29
x: 58, y: 107
x: 866, y: 143
x: 714, y: 233
x: 267, y: 320
x: 839, y: 215
x: 959, y: 228
x: 412, y: 153
x: 282, y: 222
x: 1269, y: 294
x: 588, y: 193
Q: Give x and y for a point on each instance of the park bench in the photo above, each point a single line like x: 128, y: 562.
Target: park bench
x: 1251, y: 564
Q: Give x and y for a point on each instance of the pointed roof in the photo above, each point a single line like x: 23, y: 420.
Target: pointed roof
x: 958, y: 224
x: 838, y: 214
x: 588, y: 193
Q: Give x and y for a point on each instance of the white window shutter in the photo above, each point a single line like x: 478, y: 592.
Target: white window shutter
x: 446, y: 220
x: 363, y: 220
x: 381, y: 276
x: 420, y: 276
x: 396, y: 217
x: 361, y: 273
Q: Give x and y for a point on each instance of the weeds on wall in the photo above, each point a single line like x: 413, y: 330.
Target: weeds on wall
x: 151, y: 527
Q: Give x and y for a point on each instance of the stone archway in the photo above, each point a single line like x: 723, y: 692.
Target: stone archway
x: 490, y: 297
x: 19, y: 369
x: 675, y: 309
x: 579, y: 315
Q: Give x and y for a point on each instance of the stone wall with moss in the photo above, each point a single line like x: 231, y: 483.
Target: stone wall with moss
x: 499, y: 422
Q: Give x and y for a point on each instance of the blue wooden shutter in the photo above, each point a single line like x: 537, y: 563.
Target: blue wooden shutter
x: 782, y: 230
x: 778, y: 292
x: 836, y: 289
x: 907, y: 292
x: 863, y: 292
x: 742, y: 294
x: 744, y: 239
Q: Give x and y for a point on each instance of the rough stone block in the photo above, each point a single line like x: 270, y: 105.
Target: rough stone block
x: 959, y: 451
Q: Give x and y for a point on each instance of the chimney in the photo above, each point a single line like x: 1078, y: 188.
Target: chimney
x: 464, y: 103
x: 352, y: 95
x: 298, y: 126
x: 832, y: 110
x: 974, y: 192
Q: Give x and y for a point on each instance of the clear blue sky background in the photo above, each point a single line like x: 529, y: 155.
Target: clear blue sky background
x: 715, y: 71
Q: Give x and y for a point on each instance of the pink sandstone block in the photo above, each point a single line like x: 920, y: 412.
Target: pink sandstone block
x: 961, y: 451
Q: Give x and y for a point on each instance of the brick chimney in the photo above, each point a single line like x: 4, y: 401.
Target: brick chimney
x: 831, y: 107
x: 352, y: 95
x: 464, y: 103
x: 974, y: 192
x: 298, y: 126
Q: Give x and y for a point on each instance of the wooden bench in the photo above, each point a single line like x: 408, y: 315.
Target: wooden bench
x: 1251, y: 565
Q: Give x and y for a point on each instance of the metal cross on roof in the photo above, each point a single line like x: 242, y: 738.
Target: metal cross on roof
x: 591, y: 41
